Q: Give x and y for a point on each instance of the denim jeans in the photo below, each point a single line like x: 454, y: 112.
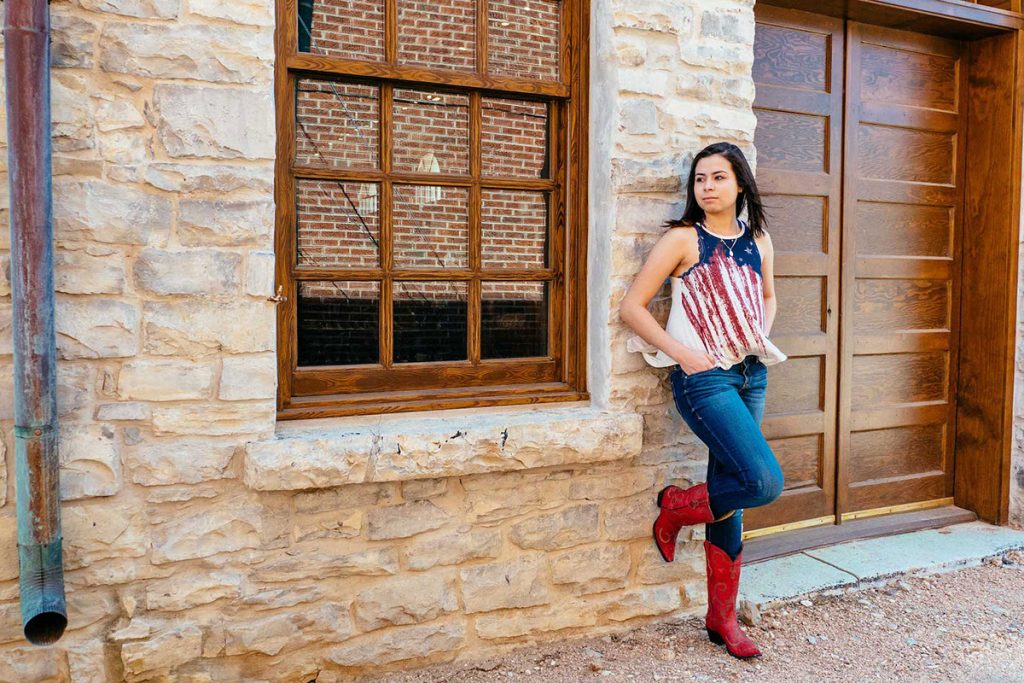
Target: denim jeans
x: 724, y: 409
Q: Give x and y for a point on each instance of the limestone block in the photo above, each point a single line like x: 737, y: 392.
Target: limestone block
x: 87, y: 662
x: 592, y: 570
x: 401, y: 521
x: 164, y: 380
x: 639, y: 117
x: 101, y: 532
x: 184, y: 590
x: 5, y: 273
x: 6, y: 331
x: 338, y: 524
x: 417, y: 448
x: 71, y: 120
x: 184, y: 492
x: 36, y: 664
x: 660, y: 16
x: 86, y: 608
x: 248, y: 377
x: 196, y: 327
x: 101, y: 211
x: 124, y: 147
x: 521, y: 582
x: 646, y: 81
x: 178, y: 461
x: 695, y: 85
x: 562, y: 529
x: 662, y: 176
x: 271, y: 635
x: 72, y: 40
x: 452, y: 548
x: 167, y: 649
x: 487, y: 506
x: 115, y: 412
x: 89, y: 461
x: 398, y: 644
x: 611, y: 484
x: 187, y: 178
x: 228, y: 54
x: 218, y: 222
x: 89, y: 269
x: 326, y: 559
x: 629, y: 518
x: 221, y: 527
x: 687, y: 565
x: 115, y: 112
x: 344, y: 497
x: 275, y: 598
x: 635, y: 214
x: 96, y: 328
x: 300, y: 464
x: 193, y: 271
x: 406, y: 599
x: 536, y: 620
x: 254, y: 12
x: 731, y: 28
x: 215, y: 122
x: 646, y: 602
x: 10, y: 621
x: 259, y: 273
x: 420, y: 489
x: 145, y: 9
x: 3, y: 469
x: 9, y: 539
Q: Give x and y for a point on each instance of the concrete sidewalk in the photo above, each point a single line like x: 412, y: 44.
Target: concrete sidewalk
x: 865, y: 563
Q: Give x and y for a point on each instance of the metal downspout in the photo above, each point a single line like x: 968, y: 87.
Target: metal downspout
x: 27, y: 72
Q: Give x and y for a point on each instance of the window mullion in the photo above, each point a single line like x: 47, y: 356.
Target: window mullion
x: 475, y: 164
x: 387, y: 326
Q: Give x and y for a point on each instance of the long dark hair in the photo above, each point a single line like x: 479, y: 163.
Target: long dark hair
x: 750, y: 197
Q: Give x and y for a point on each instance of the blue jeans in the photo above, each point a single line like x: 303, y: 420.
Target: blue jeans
x: 724, y: 409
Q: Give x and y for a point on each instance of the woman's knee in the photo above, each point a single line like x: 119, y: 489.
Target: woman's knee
x: 765, y: 488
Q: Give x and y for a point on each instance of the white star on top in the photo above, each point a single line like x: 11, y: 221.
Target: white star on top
x: 749, y: 250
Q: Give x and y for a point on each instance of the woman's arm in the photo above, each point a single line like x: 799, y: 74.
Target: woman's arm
x: 768, y: 281
x: 676, y: 245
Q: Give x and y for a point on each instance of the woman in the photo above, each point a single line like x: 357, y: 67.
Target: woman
x: 716, y: 340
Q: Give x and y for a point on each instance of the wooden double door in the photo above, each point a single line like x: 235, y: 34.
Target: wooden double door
x: 860, y: 161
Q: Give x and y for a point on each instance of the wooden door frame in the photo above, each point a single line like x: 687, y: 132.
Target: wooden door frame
x: 992, y: 201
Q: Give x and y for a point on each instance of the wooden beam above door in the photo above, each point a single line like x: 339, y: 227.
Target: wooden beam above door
x: 948, y: 18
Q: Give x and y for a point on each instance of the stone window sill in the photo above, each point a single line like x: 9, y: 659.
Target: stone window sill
x: 325, y: 453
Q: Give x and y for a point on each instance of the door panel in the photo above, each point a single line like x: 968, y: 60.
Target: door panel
x: 798, y: 75
x: 903, y: 188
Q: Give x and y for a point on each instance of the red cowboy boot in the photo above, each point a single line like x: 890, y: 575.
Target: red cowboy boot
x: 679, y: 508
x: 723, y: 585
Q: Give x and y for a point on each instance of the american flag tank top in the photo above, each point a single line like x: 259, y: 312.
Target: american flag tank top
x: 718, y: 304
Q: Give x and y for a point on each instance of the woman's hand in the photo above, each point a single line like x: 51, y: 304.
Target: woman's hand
x: 695, y: 361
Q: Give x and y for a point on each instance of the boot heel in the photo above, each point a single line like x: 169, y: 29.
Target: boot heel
x: 715, y: 638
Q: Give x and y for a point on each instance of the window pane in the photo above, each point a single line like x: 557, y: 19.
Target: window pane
x: 431, y: 132
x: 338, y: 323
x: 430, y: 321
x: 514, y: 319
x: 431, y: 226
x: 515, y: 229
x: 342, y: 28
x: 513, y: 138
x: 523, y: 38
x: 337, y: 224
x: 336, y: 124
x: 439, y: 34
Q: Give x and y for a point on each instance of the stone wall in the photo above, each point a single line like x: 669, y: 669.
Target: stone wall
x: 203, y: 541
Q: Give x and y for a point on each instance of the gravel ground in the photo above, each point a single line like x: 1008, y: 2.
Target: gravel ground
x: 961, y: 626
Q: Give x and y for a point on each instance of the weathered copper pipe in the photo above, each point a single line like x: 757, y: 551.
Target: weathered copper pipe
x: 27, y: 72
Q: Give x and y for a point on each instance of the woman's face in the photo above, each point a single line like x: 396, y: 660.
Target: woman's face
x: 714, y: 184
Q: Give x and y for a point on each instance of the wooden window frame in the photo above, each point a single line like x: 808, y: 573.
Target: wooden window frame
x: 327, y: 391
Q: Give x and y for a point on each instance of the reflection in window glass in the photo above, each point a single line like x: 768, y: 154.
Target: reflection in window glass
x: 353, y: 29
x: 514, y: 319
x: 337, y: 224
x: 431, y: 226
x: 336, y: 124
x: 523, y: 38
x: 514, y: 138
x: 515, y: 229
x: 440, y: 34
x: 430, y: 321
x: 431, y: 132
x: 338, y: 323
